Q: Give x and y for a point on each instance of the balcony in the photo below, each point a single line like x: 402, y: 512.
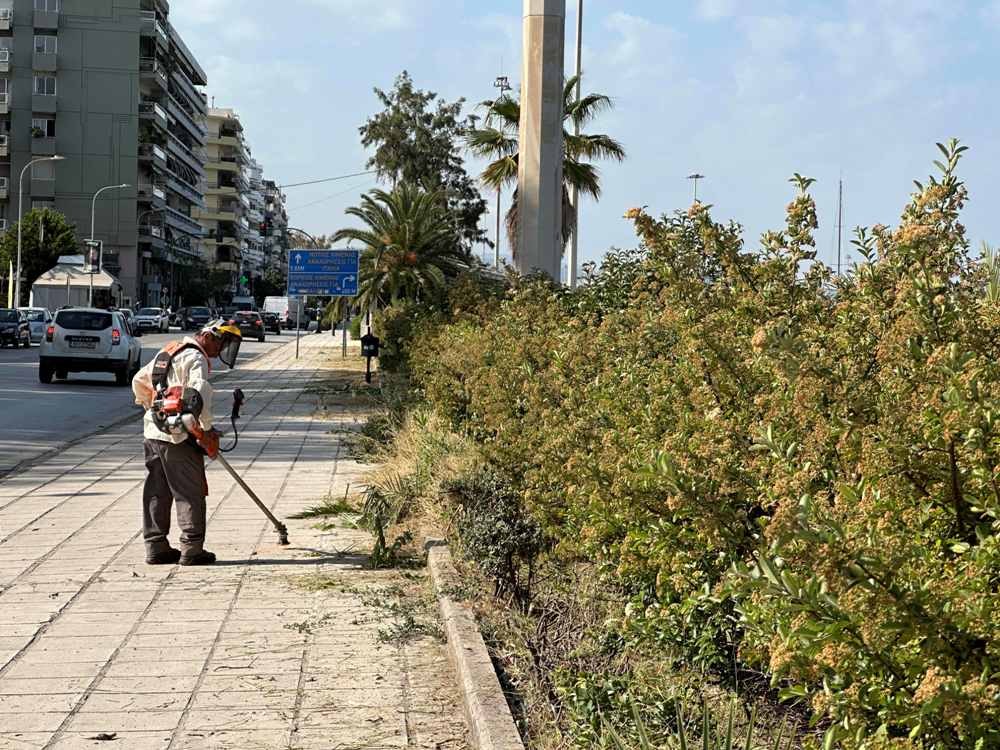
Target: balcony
x: 43, y: 187
x: 5, y: 60
x: 44, y: 103
x: 4, y: 104
x: 184, y: 189
x: 154, y: 153
x: 149, y: 25
x: 195, y: 162
x: 182, y: 51
x: 151, y: 193
x: 43, y: 145
x: 4, y: 189
x: 46, y: 19
x: 181, y: 87
x: 4, y: 146
x: 185, y: 118
x: 182, y: 223
x: 6, y: 19
x: 152, y: 234
x: 224, y: 140
x: 221, y: 190
x: 215, y: 214
x: 150, y: 69
x: 153, y: 112
x: 44, y: 62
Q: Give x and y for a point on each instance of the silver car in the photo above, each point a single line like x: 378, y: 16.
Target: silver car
x: 39, y: 320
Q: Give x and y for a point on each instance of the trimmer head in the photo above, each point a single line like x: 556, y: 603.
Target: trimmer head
x: 283, y: 536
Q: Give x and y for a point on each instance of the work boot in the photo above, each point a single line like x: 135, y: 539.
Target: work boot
x: 169, y: 556
x: 199, y: 558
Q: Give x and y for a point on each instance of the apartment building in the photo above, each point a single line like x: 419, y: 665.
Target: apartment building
x: 235, y: 217
x: 73, y: 74
x: 171, y: 163
x: 275, y: 230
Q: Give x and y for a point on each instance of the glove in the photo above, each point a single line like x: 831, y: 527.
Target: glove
x: 209, y: 442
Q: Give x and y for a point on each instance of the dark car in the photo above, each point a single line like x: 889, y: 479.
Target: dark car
x: 14, y: 328
x: 272, y: 323
x: 250, y: 324
x: 196, y: 318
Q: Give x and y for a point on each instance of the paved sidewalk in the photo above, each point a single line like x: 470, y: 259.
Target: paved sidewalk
x: 94, y: 642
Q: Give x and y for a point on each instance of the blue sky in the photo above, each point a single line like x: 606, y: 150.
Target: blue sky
x: 744, y: 91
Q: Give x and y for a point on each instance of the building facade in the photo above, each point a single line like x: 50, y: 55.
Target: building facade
x: 171, y: 164
x: 72, y: 83
x: 244, y: 219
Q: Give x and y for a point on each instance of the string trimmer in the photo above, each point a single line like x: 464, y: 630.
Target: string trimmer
x: 179, y: 409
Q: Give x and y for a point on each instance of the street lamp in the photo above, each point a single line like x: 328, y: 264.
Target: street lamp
x: 20, y: 196
x: 100, y: 260
x: 503, y: 84
x: 694, y: 178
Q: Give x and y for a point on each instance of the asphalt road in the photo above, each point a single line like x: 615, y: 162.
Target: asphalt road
x: 34, y: 418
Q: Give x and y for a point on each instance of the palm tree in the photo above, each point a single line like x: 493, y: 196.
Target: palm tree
x: 410, y: 247
x: 497, y: 140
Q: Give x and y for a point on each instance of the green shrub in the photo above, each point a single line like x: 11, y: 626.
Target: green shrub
x: 788, y: 472
x: 357, y: 324
x: 495, y: 532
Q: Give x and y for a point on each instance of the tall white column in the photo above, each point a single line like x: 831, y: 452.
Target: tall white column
x: 539, y: 175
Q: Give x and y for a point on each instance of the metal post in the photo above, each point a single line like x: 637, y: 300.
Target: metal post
x: 20, y: 198
x: 343, y: 344
x: 298, y: 326
x: 93, y: 214
x: 574, y: 191
x: 496, y: 249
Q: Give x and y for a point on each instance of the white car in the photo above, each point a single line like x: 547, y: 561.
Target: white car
x: 153, y: 319
x: 38, y: 320
x: 89, y: 340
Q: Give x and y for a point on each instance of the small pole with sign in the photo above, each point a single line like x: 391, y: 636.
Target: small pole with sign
x: 298, y: 324
x: 369, y: 348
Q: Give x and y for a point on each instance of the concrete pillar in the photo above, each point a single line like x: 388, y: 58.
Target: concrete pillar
x: 539, y: 175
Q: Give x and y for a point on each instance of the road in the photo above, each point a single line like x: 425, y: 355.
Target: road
x: 35, y: 418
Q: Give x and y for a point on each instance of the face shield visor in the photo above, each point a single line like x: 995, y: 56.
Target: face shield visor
x: 230, y: 349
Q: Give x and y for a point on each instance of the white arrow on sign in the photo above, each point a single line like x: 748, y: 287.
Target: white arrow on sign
x: 348, y: 279
x: 298, y: 259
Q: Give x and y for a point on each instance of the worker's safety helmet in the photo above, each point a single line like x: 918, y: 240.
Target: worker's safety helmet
x: 229, y: 333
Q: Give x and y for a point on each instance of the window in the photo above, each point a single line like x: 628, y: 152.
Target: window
x: 43, y: 170
x: 45, y: 85
x: 4, y: 85
x: 83, y: 321
x: 45, y: 44
x: 42, y: 205
x: 49, y: 5
x: 43, y: 127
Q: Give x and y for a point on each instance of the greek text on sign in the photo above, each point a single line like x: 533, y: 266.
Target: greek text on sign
x: 323, y: 272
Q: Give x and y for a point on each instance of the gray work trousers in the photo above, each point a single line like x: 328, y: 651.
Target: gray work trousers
x: 176, y: 475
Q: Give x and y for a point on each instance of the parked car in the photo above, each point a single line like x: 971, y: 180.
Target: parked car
x: 38, y: 320
x: 250, y: 323
x: 272, y: 322
x: 89, y: 340
x: 152, y: 319
x: 14, y: 328
x: 130, y: 319
x: 195, y: 318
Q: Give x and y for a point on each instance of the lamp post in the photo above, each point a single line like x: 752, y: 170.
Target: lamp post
x: 694, y: 178
x: 502, y: 83
x: 93, y: 215
x: 20, y: 197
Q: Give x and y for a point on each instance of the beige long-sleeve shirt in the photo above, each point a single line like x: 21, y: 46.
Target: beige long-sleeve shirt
x: 189, y: 369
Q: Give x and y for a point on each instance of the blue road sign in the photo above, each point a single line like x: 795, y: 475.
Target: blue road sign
x: 323, y: 272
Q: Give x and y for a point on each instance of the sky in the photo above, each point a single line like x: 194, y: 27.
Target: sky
x: 746, y: 92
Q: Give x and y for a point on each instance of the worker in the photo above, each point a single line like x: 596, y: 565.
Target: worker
x: 175, y: 461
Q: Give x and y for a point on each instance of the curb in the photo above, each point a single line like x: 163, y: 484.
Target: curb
x: 491, y: 725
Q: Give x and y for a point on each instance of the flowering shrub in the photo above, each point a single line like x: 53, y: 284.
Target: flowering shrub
x: 789, y: 471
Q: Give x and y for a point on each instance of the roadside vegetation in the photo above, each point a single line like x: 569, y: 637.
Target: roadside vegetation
x: 712, y: 473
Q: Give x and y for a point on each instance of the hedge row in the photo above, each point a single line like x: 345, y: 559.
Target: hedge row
x: 788, y: 471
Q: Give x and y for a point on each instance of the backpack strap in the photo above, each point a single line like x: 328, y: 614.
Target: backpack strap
x: 165, y: 359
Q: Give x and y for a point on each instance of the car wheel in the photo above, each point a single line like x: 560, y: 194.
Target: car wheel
x: 261, y: 340
x: 121, y: 376
x: 62, y: 374
x: 45, y: 373
x: 27, y: 343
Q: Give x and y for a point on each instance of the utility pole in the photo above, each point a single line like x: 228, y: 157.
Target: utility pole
x: 574, y: 244
x: 840, y: 220
x: 540, y: 148
x: 694, y: 178
x: 503, y: 84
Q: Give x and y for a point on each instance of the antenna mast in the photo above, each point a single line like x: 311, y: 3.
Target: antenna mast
x: 840, y: 220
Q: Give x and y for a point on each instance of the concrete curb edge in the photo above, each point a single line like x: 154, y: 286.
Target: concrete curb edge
x: 491, y: 725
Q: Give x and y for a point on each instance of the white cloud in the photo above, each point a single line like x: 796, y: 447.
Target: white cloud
x: 380, y: 15
x: 716, y: 10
